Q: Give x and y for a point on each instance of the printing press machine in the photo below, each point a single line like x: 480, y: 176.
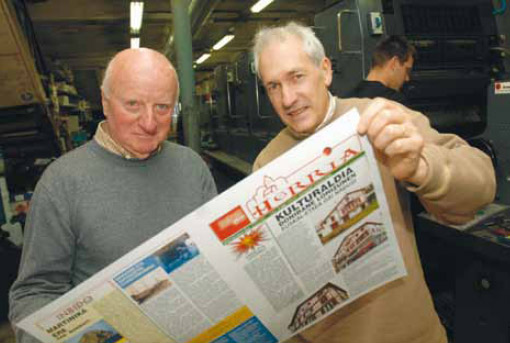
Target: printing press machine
x: 474, y: 260
x: 459, y: 82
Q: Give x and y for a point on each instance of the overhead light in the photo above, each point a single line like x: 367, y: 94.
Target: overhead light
x: 260, y: 5
x: 222, y: 42
x: 203, y: 58
x: 136, y: 14
x: 135, y: 42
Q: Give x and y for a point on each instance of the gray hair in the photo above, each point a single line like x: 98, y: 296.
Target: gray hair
x: 311, y: 44
x: 105, y: 84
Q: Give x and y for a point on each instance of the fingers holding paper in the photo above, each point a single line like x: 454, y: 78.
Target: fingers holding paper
x: 395, y: 138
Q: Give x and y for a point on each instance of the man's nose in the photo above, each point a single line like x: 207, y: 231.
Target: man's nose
x: 147, y: 120
x: 288, y: 96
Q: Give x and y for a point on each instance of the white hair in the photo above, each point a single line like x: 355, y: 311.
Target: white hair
x: 311, y: 44
x: 105, y: 84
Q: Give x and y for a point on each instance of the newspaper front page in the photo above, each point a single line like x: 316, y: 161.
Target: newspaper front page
x: 289, y: 245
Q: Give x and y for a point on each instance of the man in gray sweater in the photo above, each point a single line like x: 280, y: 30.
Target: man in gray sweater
x: 100, y: 201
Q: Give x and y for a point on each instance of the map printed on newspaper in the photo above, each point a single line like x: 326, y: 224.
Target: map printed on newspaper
x: 289, y: 245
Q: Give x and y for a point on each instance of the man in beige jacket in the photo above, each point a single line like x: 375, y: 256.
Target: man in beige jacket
x: 451, y: 179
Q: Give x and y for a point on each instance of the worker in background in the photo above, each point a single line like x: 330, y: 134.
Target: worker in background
x: 392, y: 62
x: 101, y: 200
x: 452, y: 179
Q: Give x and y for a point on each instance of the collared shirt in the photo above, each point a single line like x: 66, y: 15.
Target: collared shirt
x: 329, y: 114
x: 104, y: 139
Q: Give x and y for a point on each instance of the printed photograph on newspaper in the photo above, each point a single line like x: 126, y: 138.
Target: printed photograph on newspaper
x: 281, y: 250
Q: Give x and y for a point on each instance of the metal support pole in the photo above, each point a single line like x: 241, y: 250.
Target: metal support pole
x: 182, y: 39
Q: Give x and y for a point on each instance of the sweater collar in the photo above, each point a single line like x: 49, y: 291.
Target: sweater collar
x: 329, y: 114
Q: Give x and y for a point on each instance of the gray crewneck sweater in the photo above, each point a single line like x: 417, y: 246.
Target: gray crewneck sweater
x: 91, y: 207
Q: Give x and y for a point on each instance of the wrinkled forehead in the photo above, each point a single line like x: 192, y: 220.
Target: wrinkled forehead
x: 282, y: 56
x: 286, y: 38
x: 144, y: 78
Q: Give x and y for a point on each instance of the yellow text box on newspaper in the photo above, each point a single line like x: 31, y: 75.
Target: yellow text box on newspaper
x: 226, y: 325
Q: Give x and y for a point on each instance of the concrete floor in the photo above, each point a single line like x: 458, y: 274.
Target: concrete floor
x: 6, y: 334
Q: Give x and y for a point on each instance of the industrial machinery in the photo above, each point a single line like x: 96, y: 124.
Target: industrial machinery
x: 243, y: 120
x: 456, y: 47
x: 25, y: 126
x: 462, y: 51
x: 459, y: 54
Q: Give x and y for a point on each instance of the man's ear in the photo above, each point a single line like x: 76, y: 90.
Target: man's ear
x: 393, y: 63
x: 104, y: 102
x: 327, y: 71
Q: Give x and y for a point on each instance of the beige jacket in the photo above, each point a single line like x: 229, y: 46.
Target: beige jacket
x: 460, y: 180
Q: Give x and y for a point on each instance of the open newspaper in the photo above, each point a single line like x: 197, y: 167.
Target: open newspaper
x: 289, y: 245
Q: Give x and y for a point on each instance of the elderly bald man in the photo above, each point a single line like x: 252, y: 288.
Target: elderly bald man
x: 101, y: 200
